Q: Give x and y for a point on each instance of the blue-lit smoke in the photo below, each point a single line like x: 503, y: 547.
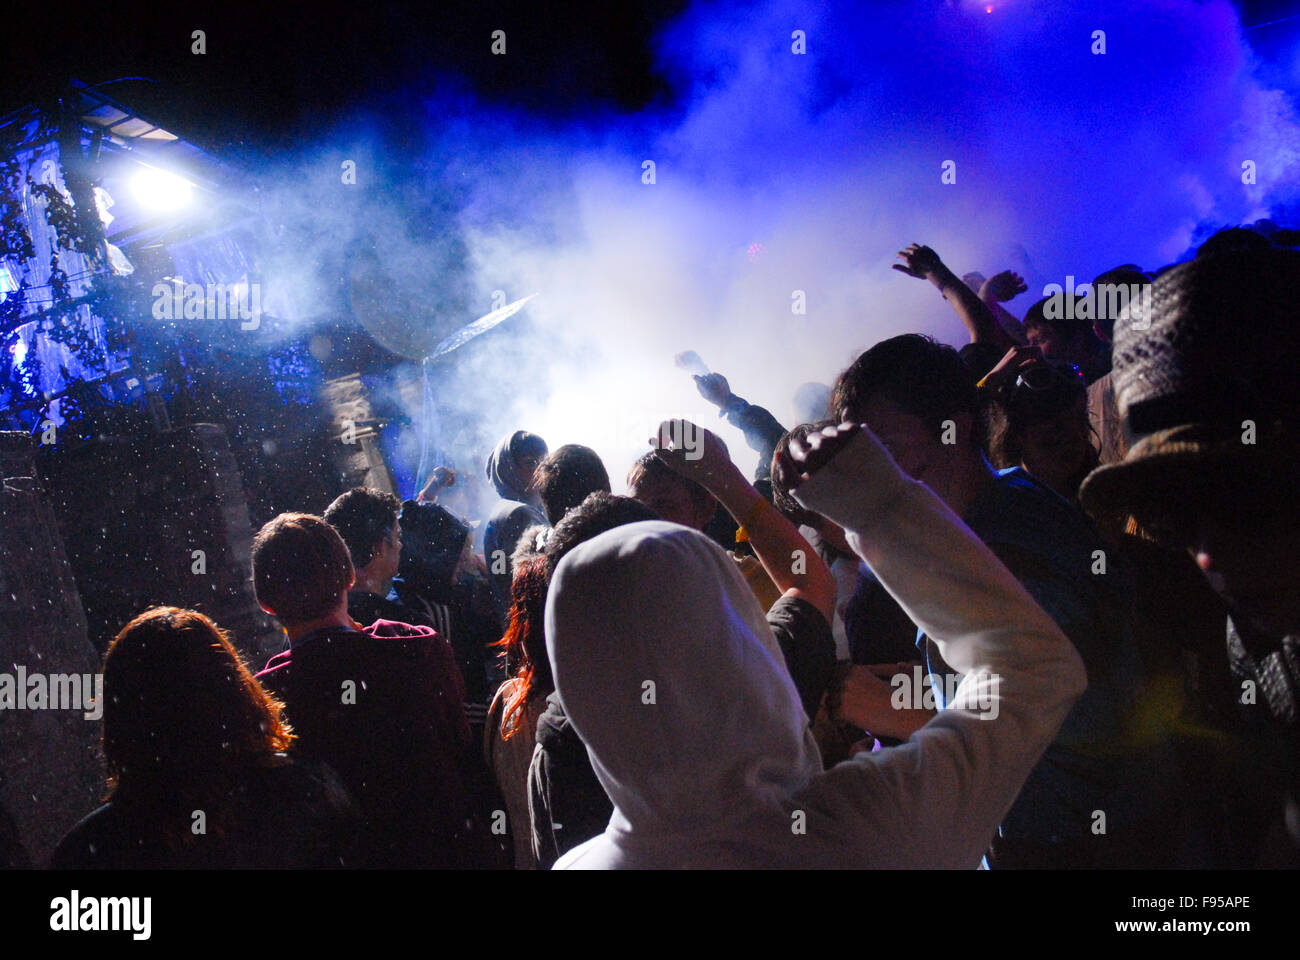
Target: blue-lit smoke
x: 778, y: 173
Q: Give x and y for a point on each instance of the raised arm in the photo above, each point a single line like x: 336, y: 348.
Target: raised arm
x: 788, y: 558
x: 923, y: 263
x: 937, y: 799
x: 998, y: 289
x: 762, y: 430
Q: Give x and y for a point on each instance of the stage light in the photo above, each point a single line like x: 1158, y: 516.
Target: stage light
x: 160, y: 190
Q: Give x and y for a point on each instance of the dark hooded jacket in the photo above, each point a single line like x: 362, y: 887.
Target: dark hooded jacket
x: 514, y: 513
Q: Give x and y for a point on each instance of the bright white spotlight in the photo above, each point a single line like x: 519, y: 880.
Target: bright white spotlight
x: 160, y: 190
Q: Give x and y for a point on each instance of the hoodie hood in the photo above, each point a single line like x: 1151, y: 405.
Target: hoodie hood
x: 502, y: 466
x: 669, y: 672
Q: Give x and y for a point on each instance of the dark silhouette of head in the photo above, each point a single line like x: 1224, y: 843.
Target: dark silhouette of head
x: 183, y: 717
x: 782, y: 484
x: 671, y: 496
x: 364, y: 519
x: 913, y: 373
x: 598, y: 513
x: 301, y: 568
x: 1233, y: 240
x: 565, y: 478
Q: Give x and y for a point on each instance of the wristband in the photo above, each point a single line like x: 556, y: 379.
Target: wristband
x: 742, y: 535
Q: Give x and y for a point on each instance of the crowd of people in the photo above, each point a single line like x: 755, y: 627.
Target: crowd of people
x: 955, y: 620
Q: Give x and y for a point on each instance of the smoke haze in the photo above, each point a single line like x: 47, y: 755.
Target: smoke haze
x: 777, y: 173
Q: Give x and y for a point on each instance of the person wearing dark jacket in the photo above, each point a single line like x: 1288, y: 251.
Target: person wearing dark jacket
x: 566, y: 803
x: 440, y: 577
x: 762, y: 430
x: 382, y: 705
x: 203, y: 770
x: 1206, y: 394
x: 510, y: 468
x: 916, y: 395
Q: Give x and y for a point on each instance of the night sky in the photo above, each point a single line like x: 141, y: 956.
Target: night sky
x: 278, y: 75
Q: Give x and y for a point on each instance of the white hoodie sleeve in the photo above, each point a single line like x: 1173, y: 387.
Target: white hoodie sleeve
x: 936, y: 800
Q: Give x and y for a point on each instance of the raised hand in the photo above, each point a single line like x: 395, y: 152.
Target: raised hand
x: 1014, y: 362
x: 442, y: 477
x: 690, y: 361
x: 692, y: 451
x: 919, y: 261
x: 1004, y: 286
x: 714, y: 388
x: 807, y: 456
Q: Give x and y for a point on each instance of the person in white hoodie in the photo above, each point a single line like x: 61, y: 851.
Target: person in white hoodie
x: 667, y: 670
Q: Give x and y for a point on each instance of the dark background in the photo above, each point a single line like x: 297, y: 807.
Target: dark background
x: 277, y: 74
x: 274, y: 73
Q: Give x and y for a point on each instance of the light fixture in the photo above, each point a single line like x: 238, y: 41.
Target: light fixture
x: 160, y: 190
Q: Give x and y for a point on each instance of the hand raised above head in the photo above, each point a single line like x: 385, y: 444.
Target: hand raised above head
x: 918, y: 261
x: 713, y: 387
x: 440, y: 478
x: 811, y: 454
x: 1004, y: 286
x: 691, y: 451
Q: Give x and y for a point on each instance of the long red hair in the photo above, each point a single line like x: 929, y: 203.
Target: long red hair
x: 524, y: 643
x: 183, y: 718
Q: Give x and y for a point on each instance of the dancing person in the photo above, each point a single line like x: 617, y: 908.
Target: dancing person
x: 1057, y: 327
x: 1039, y: 421
x: 917, y: 397
x: 696, y: 732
